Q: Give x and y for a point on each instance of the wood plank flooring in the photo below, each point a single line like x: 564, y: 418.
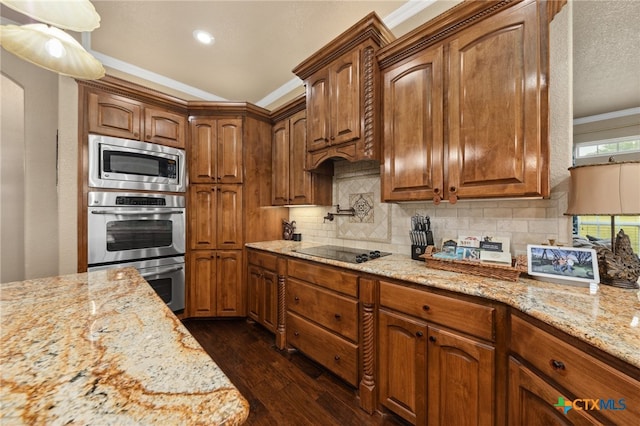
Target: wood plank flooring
x: 282, y: 388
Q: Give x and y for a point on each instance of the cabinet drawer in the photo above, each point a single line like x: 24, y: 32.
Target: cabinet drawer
x: 325, y: 276
x: 336, y: 354
x: 338, y: 313
x: 471, y: 318
x: 264, y: 260
x: 583, y: 375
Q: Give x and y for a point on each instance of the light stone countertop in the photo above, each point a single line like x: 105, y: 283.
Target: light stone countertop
x: 608, y: 320
x: 103, y: 348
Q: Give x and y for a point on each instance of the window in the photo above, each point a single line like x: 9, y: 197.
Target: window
x: 606, y: 148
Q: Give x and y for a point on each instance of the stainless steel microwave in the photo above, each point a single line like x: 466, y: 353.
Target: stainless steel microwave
x: 128, y: 164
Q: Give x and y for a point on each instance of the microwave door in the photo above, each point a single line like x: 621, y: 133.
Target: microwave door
x: 120, y: 164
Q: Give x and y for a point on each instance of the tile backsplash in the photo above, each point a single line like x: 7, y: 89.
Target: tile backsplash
x: 385, y: 226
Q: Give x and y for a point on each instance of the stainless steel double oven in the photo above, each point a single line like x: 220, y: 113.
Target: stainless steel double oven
x: 143, y: 230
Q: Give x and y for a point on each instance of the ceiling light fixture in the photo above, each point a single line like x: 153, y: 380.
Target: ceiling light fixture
x: 74, y: 15
x: 203, y: 37
x: 50, y: 47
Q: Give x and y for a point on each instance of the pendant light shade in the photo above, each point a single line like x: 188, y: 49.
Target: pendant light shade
x: 74, y: 15
x: 50, y: 48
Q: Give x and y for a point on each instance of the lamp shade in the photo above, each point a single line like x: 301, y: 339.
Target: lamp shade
x: 611, y: 189
x: 50, y: 48
x: 75, y: 15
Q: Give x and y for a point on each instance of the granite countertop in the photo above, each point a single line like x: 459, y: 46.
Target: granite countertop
x: 102, y: 347
x: 608, y: 320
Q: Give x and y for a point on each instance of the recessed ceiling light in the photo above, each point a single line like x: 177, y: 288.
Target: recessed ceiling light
x: 203, y: 37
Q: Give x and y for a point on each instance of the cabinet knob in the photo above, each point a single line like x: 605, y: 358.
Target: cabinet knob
x: 452, y: 189
x: 432, y: 339
x: 218, y: 178
x: 338, y: 316
x: 453, y: 198
x: 419, y: 333
x: 295, y: 333
x: 337, y: 357
x: 557, y: 365
x: 333, y: 138
x: 297, y: 299
x: 148, y: 136
x: 425, y: 307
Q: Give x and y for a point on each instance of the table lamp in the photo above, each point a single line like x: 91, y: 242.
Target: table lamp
x: 611, y: 189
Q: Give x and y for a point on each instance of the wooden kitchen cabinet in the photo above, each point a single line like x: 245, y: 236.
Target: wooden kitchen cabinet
x: 216, y: 283
x: 322, y: 316
x: 291, y: 183
x: 542, y: 362
x: 262, y: 289
x: 215, y: 150
x: 114, y: 115
x: 215, y: 217
x: 427, y: 372
x: 342, y: 95
x: 492, y: 77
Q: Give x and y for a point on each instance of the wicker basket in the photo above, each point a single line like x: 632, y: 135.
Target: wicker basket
x: 501, y: 272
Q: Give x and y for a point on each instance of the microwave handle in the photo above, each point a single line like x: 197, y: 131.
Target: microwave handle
x: 136, y: 212
x: 162, y: 271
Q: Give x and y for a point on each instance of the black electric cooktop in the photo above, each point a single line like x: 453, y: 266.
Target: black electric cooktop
x: 344, y: 254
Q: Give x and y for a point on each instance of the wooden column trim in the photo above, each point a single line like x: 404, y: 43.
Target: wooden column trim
x: 553, y: 7
x: 281, y: 340
x: 367, y: 319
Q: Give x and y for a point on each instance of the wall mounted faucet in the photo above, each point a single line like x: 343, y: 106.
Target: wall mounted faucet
x: 339, y: 212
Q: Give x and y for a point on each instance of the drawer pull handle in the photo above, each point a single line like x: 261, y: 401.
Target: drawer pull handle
x: 432, y: 339
x: 337, y: 357
x: 295, y: 333
x: 419, y: 333
x: 557, y: 365
x: 338, y: 316
x: 425, y: 307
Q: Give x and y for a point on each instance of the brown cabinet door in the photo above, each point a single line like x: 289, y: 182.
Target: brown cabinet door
x: 270, y: 300
x: 535, y: 402
x: 228, y: 219
x: 413, y: 128
x: 229, y: 151
x: 495, y: 102
x: 402, y: 363
x: 300, y: 191
x: 229, y: 291
x: 254, y: 292
x: 461, y: 374
x: 280, y: 164
x: 114, y: 115
x: 344, y: 76
x: 202, y: 283
x: 202, y: 153
x: 165, y: 127
x: 318, y: 111
x: 202, y: 217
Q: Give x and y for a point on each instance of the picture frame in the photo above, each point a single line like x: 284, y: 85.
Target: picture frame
x: 563, y: 264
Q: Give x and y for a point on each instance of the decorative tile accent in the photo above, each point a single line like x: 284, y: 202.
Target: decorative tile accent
x: 363, y: 206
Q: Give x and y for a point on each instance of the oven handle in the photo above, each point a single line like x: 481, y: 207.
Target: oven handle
x: 162, y: 271
x: 136, y: 212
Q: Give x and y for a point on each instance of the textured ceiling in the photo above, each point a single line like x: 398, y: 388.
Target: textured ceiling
x: 258, y: 43
x: 606, y: 56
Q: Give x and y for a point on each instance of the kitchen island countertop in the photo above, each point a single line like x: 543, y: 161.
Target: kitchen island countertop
x: 608, y: 320
x: 103, y: 348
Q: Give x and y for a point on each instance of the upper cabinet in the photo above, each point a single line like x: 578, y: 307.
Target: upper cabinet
x: 215, y: 150
x: 342, y: 94
x: 291, y: 183
x: 466, y: 112
x: 114, y: 115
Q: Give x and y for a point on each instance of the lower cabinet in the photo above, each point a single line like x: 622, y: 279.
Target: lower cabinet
x: 322, y: 316
x: 215, y: 283
x: 430, y: 374
x: 547, y: 374
x: 262, y: 291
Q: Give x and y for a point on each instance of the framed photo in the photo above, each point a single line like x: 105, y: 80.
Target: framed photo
x: 563, y: 263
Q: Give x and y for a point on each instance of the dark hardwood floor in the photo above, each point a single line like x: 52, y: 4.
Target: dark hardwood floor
x: 282, y: 388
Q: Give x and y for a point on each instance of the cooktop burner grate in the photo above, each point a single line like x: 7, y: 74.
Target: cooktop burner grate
x: 343, y: 254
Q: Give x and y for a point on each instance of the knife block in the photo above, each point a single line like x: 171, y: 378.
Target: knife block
x: 417, y: 251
